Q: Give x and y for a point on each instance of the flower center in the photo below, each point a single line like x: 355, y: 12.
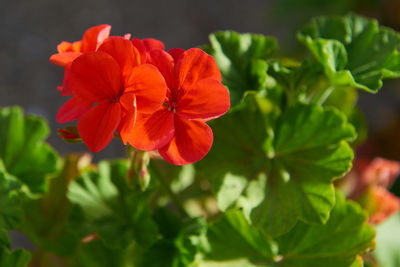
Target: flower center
x: 171, y: 107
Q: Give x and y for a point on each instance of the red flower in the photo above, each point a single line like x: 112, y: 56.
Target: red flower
x: 91, y: 40
x: 195, y: 94
x: 114, y: 80
x: 67, y: 52
x: 368, y: 182
x: 378, y: 172
x: 381, y: 204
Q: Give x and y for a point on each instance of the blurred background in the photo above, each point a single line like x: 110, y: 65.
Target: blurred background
x: 30, y: 31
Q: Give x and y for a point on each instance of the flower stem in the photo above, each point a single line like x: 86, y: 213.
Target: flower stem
x: 174, y: 198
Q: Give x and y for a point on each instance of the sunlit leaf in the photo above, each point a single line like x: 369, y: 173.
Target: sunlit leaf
x: 232, y: 237
x: 337, y: 243
x: 355, y: 51
x: 297, y: 160
x: 22, y: 149
x: 310, y: 151
x: 241, y: 59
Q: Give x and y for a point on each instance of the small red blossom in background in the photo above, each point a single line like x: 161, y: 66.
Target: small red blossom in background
x: 368, y: 182
x: 156, y: 100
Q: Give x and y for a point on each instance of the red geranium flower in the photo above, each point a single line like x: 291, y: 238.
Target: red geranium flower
x: 113, y: 80
x: 195, y: 94
x: 91, y: 40
x: 67, y: 51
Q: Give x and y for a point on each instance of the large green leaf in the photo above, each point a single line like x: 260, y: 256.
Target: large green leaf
x: 241, y: 59
x: 232, y: 237
x: 237, y: 153
x: 354, y: 50
x: 387, y: 242
x: 336, y: 243
x: 310, y: 151
x: 292, y: 167
x: 22, y: 149
x: 108, y: 206
x: 239, y: 138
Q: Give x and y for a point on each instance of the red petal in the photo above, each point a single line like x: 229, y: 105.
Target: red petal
x: 192, y: 141
x: 139, y: 45
x: 207, y: 99
x: 64, y: 88
x: 176, y: 53
x: 195, y: 65
x: 152, y: 44
x: 64, y: 47
x: 97, y: 126
x: 72, y: 110
x: 129, y: 112
x: 69, y: 47
x: 145, y: 46
x: 95, y: 76
x: 64, y: 58
x: 94, y: 36
x: 165, y: 64
x: 149, y: 87
x: 123, y: 52
x: 153, y: 131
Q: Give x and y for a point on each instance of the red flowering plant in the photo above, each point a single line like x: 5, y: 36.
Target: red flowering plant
x: 234, y: 155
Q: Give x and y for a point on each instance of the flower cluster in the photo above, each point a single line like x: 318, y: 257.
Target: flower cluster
x: 155, y: 99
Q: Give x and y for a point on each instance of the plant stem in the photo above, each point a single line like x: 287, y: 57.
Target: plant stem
x: 324, y: 95
x: 171, y: 194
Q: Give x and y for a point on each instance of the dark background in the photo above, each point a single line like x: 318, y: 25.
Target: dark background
x: 30, y: 31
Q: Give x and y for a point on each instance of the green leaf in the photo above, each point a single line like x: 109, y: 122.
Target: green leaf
x: 237, y: 149
x: 96, y: 254
x: 387, y: 242
x: 16, y: 258
x: 241, y: 59
x: 109, y: 207
x: 10, y: 202
x: 301, y: 82
x: 232, y: 237
x: 297, y: 156
x: 46, y: 219
x: 310, y: 151
x: 179, y: 243
x: 337, y: 243
x: 229, y: 190
x: 354, y: 50
x: 22, y: 149
x: 4, y: 240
